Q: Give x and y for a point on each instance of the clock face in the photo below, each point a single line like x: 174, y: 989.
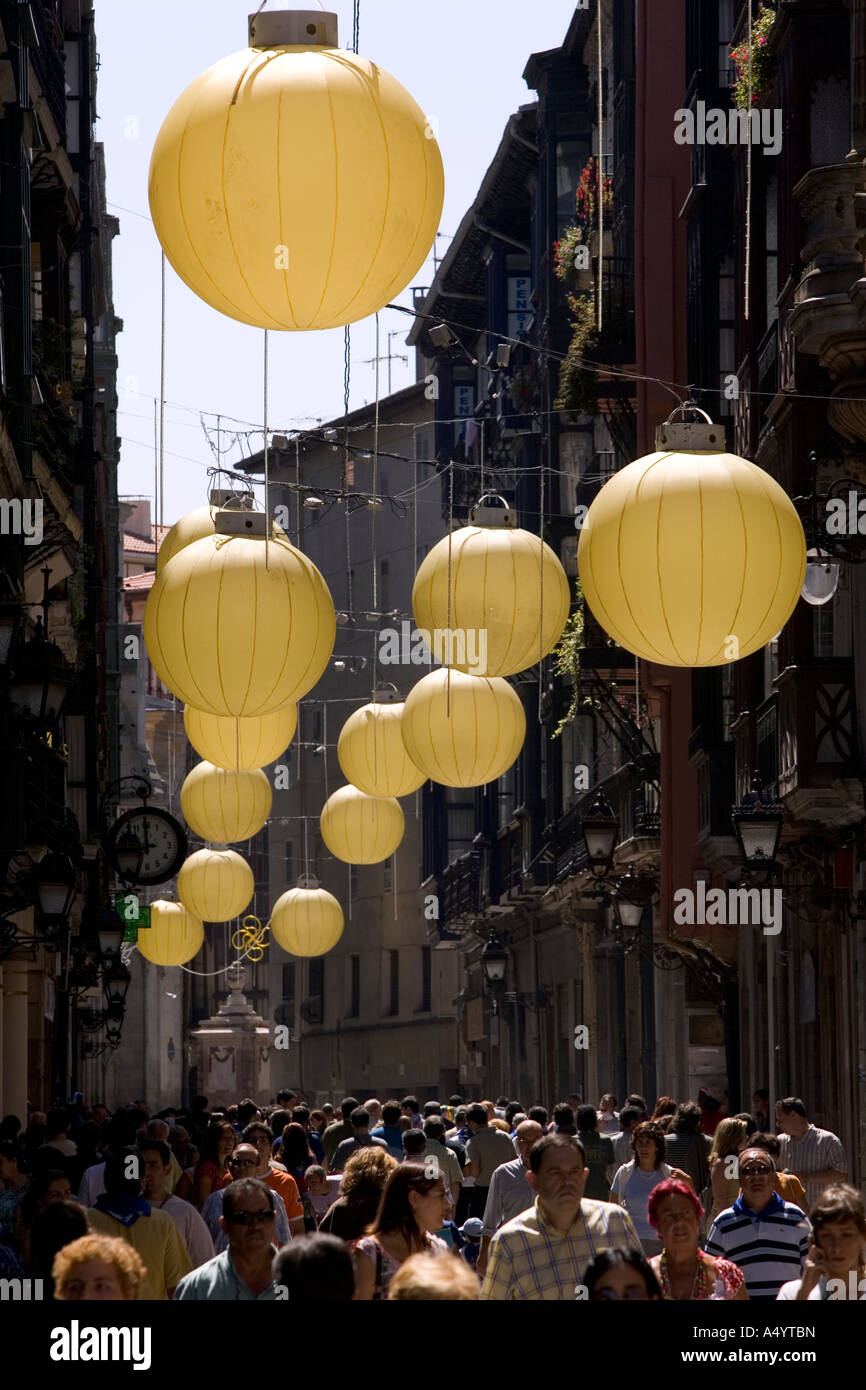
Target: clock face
x: 163, y: 839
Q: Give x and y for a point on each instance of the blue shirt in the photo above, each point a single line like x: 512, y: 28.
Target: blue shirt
x: 770, y: 1246
x: 393, y: 1136
x: 218, y: 1279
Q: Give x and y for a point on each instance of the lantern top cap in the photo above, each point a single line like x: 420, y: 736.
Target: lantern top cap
x: 690, y: 436
x: 486, y: 515
x: 293, y: 28
x: 230, y: 521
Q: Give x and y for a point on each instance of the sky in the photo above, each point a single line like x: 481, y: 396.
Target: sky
x: 461, y: 60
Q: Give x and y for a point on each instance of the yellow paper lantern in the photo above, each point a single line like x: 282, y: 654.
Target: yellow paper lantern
x: 232, y: 635
x: 361, y: 829
x: 215, y: 885
x: 240, y: 744
x: 372, y: 754
x: 224, y: 806
x: 694, y: 557
x: 307, y: 921
x: 463, y: 731
x: 174, y: 935
x: 294, y: 184
x: 192, y: 527
x: 509, y: 599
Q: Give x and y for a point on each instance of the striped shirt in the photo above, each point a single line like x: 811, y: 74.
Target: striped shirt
x: 531, y: 1260
x: 769, y: 1246
x: 817, y: 1150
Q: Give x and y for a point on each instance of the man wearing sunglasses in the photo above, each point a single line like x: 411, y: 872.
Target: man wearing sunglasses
x: 242, y: 1273
x: 245, y: 1162
x: 762, y: 1233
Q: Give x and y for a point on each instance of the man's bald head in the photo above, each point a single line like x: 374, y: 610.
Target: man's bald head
x: 528, y: 1133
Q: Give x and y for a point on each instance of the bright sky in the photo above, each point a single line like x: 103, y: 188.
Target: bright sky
x: 462, y: 61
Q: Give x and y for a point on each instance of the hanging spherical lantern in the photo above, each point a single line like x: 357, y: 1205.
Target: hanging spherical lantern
x: 463, y: 731
x: 192, y: 526
x: 509, y: 596
x: 241, y: 744
x: 691, y: 556
x: 371, y: 751
x: 225, y: 807
x: 307, y: 921
x: 215, y: 884
x: 294, y: 184
x: 173, y: 937
x: 235, y: 625
x: 361, y: 829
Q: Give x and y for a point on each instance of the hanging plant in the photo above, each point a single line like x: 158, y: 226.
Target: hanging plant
x: 586, y: 197
x: 577, y: 384
x: 754, y: 56
x: 565, y: 257
x: 566, y: 659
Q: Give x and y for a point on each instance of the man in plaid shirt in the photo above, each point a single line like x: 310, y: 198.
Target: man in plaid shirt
x: 543, y: 1252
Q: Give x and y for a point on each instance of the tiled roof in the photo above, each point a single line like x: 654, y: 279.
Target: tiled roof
x: 137, y: 543
x: 139, y: 581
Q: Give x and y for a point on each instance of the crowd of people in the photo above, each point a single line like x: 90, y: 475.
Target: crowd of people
x: 394, y: 1199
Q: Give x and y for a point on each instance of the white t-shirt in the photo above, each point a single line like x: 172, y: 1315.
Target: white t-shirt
x: 788, y: 1292
x: 633, y: 1186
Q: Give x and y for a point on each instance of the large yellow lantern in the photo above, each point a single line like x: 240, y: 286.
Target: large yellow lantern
x: 361, y: 829
x: 215, y: 884
x: 463, y: 731
x: 238, y: 625
x: 307, y: 921
x: 295, y: 185
x: 241, y: 744
x: 225, y: 807
x: 173, y: 937
x: 509, y: 597
x: 691, y: 556
x: 372, y: 754
x: 192, y: 526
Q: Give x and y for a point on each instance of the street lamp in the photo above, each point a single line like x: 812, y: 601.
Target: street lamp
x: 494, y: 958
x: 110, y: 933
x: 128, y: 855
x: 54, y: 882
x: 41, y: 678
x: 116, y: 981
x: 757, y: 823
x: 600, y: 833
x: 632, y: 894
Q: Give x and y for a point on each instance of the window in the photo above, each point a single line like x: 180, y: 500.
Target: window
x: 289, y: 987
x: 771, y: 248
x: 317, y: 726
x: 507, y: 796
x: 570, y: 159
x: 290, y: 864
x: 387, y: 876
x: 461, y: 821
x: 316, y: 991
x: 384, y: 604
x: 354, y: 986
x: 394, y: 982
x: 426, y: 979
x: 727, y: 296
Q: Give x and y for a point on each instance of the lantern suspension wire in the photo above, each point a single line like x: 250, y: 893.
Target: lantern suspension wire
x: 450, y: 531
x: 600, y: 179
x: 161, y: 517
x: 266, y: 451
x: 156, y: 474
x: 298, y: 487
x: 347, y: 377
x: 541, y: 594
x: 375, y: 475
x: 481, y: 458
x: 748, y: 248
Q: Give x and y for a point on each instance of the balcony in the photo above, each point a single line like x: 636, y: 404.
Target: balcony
x: 635, y: 805
x: 819, y: 768
x: 461, y: 891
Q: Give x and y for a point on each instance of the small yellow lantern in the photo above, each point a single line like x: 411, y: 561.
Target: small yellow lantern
x: 225, y: 807
x: 294, y: 184
x: 244, y: 743
x: 691, y: 556
x: 509, y: 597
x: 215, y: 885
x: 361, y: 829
x: 307, y: 921
x: 239, y: 625
x: 371, y: 751
x: 463, y: 731
x: 174, y: 935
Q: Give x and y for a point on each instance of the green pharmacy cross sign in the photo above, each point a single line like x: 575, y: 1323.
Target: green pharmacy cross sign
x: 133, y: 916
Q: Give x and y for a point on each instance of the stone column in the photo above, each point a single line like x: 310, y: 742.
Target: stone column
x: 858, y: 81
x: 15, y: 1039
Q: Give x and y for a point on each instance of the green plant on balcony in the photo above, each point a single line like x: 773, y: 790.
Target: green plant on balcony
x: 566, y: 659
x: 754, y: 62
x: 577, y: 380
